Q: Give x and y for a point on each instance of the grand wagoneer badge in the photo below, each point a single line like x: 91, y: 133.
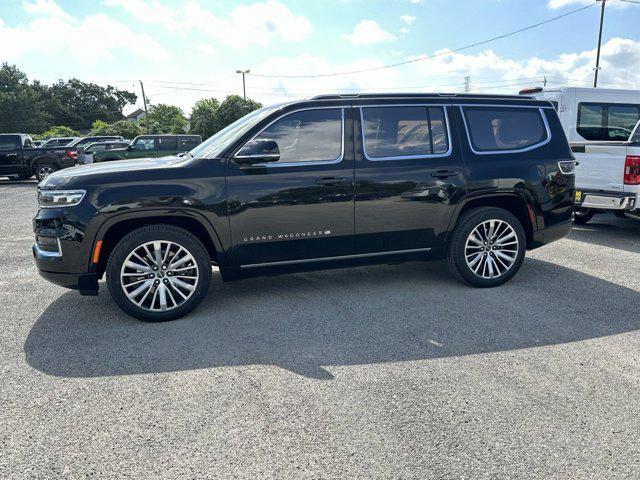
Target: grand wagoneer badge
x: 287, y: 236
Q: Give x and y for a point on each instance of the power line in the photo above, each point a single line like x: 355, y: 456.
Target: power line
x: 428, y: 57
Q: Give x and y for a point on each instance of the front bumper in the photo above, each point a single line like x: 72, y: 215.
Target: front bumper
x: 606, y: 200
x: 85, y: 283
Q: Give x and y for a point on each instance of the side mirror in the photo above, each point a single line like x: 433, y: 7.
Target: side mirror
x: 260, y: 150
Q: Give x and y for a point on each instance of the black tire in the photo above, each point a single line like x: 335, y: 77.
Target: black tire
x: 620, y: 214
x: 582, y: 215
x: 43, y: 170
x: 457, y: 248
x: 166, y: 233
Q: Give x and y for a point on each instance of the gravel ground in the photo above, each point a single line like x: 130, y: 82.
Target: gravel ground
x: 376, y: 372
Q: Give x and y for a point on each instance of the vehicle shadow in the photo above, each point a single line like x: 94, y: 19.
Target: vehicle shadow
x: 610, y: 231
x: 17, y: 183
x: 304, y: 322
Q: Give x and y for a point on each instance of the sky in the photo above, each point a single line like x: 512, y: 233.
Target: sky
x: 187, y: 50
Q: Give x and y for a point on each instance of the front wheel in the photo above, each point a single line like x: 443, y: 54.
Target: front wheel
x: 582, y: 215
x: 487, y: 247
x: 158, y: 273
x: 44, y: 170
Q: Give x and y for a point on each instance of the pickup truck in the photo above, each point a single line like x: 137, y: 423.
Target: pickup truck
x: 608, y: 178
x: 21, y: 159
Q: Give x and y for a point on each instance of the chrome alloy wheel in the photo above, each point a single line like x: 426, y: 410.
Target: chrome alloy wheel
x: 45, y: 172
x: 159, y: 275
x: 491, y: 248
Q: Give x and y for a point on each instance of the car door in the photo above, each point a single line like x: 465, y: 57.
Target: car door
x: 300, y: 206
x: 409, y: 176
x: 10, y: 154
x: 166, y: 145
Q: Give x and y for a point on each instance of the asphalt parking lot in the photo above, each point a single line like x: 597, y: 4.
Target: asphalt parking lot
x: 377, y: 372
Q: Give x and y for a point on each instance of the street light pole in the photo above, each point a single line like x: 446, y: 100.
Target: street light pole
x: 244, y: 88
x: 595, y: 79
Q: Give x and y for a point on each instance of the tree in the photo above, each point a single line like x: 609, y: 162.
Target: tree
x: 34, y: 107
x: 21, y: 104
x: 99, y: 127
x: 163, y: 118
x: 233, y: 108
x: 203, y: 117
x: 125, y: 129
x: 60, y: 131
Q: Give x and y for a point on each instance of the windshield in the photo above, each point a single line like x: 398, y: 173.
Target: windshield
x: 215, y: 145
x: 635, y: 135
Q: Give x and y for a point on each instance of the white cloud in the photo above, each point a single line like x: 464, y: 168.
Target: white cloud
x: 404, y: 30
x: 368, y: 32
x: 408, y: 19
x: 90, y: 39
x: 245, y: 25
x: 46, y: 8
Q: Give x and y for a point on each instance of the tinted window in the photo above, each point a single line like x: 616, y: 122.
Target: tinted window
x: 143, y: 144
x: 391, y: 132
x: 188, y: 143
x: 504, y: 128
x: 636, y: 133
x: 166, y: 143
x: 28, y: 143
x: 9, y: 142
x: 311, y: 135
x: 606, y: 121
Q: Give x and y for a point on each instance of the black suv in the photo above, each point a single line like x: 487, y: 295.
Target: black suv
x: 327, y: 182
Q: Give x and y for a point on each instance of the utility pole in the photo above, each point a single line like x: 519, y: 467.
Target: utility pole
x: 244, y: 88
x: 144, y: 101
x: 467, y: 84
x: 595, y: 79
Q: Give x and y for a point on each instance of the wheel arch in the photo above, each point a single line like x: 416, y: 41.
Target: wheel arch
x: 514, y: 203
x: 117, y: 227
x: 42, y: 159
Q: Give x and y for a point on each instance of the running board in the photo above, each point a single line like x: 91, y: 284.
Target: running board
x: 331, y: 259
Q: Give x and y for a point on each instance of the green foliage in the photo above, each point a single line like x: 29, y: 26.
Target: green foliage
x: 209, y: 116
x: 233, y: 108
x: 203, y: 117
x: 33, y: 107
x: 125, y: 129
x: 99, y: 127
x: 59, y: 131
x: 164, y: 119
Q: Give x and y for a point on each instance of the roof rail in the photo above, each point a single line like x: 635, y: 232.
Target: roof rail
x: 339, y: 96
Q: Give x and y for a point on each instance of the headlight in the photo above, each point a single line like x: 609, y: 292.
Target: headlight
x: 60, y: 198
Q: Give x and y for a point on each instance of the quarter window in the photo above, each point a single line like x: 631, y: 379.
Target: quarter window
x: 606, y: 121
x: 310, y: 135
x: 393, y: 132
x: 495, y: 129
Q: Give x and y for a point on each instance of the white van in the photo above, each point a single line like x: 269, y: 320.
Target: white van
x: 593, y: 114
x: 599, y: 125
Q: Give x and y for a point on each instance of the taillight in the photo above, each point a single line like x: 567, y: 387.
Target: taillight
x: 632, y: 170
x: 72, y: 154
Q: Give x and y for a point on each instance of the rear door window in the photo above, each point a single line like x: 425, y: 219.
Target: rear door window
x: 397, y: 132
x: 501, y: 129
x: 9, y: 142
x: 606, y: 121
x: 166, y: 143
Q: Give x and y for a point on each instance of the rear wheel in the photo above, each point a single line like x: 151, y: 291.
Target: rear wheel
x: 582, y: 215
x: 44, y: 170
x: 158, y: 273
x: 487, y: 247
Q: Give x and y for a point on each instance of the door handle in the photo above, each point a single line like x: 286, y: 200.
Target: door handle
x: 11, y: 155
x: 330, y: 181
x: 443, y: 173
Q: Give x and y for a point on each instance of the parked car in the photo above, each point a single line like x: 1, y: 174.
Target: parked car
x: 59, y: 141
x: 327, y: 182
x: 147, y: 146
x: 85, y: 154
x: 21, y: 159
x: 609, y: 178
x: 38, y: 143
x: 602, y: 125
x: 84, y: 141
x: 593, y: 114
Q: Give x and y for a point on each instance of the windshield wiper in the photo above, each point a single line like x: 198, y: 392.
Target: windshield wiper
x: 184, y: 154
